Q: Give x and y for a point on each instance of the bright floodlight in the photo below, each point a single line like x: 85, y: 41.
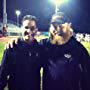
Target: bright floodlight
x: 59, y: 2
x: 18, y: 12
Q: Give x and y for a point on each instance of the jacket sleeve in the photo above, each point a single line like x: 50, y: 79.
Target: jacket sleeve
x: 85, y: 63
x: 4, y: 71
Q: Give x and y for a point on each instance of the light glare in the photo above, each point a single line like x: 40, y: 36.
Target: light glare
x: 59, y: 2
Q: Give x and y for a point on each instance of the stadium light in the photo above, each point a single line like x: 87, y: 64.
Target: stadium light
x: 17, y: 12
x: 58, y: 3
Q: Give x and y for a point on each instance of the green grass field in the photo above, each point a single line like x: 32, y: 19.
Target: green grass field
x: 1, y: 50
x: 86, y: 44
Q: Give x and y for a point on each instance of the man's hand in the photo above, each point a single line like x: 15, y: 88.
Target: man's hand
x: 11, y: 42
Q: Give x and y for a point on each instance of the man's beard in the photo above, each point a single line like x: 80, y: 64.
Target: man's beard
x: 28, y: 36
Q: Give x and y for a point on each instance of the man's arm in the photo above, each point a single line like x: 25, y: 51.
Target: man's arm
x: 4, y: 71
x: 85, y: 64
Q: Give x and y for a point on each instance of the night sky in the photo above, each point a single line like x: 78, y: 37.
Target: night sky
x: 78, y: 12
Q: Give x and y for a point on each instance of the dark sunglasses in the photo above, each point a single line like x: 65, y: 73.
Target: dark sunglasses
x: 32, y: 27
x: 56, y: 25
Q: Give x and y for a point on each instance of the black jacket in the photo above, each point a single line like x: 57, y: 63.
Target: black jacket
x: 66, y: 67
x: 20, y: 67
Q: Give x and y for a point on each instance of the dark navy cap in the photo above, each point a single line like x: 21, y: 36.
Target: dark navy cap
x: 59, y: 18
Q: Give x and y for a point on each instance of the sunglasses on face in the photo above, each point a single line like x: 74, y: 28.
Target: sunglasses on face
x: 55, y: 25
x: 32, y: 27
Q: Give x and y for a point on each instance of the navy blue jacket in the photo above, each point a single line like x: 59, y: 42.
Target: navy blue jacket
x: 20, y: 67
x: 66, y: 67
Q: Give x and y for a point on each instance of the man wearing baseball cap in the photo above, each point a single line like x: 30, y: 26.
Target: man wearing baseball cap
x: 67, y: 64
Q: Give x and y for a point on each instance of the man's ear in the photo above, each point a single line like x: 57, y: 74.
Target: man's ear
x: 71, y: 31
x: 68, y: 26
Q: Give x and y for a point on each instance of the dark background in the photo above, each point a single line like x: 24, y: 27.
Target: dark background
x: 76, y: 10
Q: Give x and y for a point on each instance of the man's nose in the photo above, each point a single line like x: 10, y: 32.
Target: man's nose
x: 58, y: 28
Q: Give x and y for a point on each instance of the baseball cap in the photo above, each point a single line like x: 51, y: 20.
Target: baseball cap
x: 59, y: 18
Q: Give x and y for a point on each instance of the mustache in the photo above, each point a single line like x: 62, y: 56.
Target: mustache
x: 28, y: 33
